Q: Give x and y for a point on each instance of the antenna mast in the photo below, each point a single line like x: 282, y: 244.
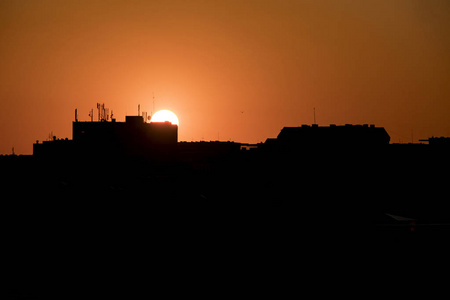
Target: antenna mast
x: 102, y: 112
x: 314, y: 109
x: 153, y: 103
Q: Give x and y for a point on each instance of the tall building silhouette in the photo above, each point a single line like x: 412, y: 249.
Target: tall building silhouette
x: 132, y: 137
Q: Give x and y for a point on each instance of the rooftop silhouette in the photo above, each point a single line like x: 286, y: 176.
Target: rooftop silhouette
x: 330, y: 136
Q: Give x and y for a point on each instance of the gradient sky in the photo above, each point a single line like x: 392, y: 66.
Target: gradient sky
x: 230, y: 70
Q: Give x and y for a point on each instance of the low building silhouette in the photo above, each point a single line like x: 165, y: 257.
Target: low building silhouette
x: 202, y: 153
x: 211, y: 148
x: 306, y: 136
x: 438, y: 141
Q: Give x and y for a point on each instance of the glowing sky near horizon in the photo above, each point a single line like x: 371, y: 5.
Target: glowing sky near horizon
x: 238, y: 70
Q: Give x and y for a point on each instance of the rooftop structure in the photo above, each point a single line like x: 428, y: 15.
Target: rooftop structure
x: 333, y: 135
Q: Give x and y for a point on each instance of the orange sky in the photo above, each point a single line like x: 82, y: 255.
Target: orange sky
x: 234, y: 70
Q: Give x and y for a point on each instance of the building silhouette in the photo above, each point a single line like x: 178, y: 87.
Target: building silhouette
x: 438, y: 141
x: 132, y: 137
x: 306, y: 136
x: 136, y: 137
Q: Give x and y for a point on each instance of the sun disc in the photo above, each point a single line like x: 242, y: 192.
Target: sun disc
x: 165, y: 116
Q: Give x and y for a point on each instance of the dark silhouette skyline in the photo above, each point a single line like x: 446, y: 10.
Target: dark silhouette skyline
x: 127, y: 196
x: 356, y: 158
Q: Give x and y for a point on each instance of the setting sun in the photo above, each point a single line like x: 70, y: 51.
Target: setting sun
x: 164, y: 116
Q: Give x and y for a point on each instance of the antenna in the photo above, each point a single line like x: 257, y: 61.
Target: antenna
x: 314, y: 109
x: 139, y: 109
x: 76, y: 115
x: 153, y: 103
x: 103, y: 113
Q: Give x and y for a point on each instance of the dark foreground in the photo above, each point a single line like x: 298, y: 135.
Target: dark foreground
x: 243, y: 225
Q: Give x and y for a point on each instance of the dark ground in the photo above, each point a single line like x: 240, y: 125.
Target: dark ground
x: 245, y: 224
